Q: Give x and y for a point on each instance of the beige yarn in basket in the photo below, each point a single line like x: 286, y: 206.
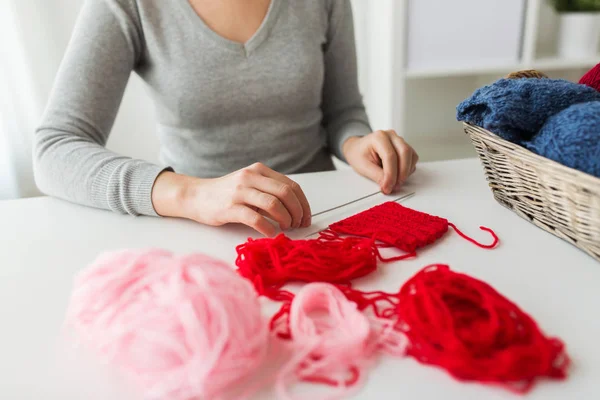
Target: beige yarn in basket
x: 527, y: 73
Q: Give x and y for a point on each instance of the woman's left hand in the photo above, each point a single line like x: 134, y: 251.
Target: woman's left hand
x: 383, y: 157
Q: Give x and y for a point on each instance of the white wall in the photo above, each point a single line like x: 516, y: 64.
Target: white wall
x: 377, y: 38
x: 20, y: 107
x: 360, y: 10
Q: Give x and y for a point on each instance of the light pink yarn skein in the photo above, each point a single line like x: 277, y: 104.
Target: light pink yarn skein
x: 333, y: 341
x: 181, y: 328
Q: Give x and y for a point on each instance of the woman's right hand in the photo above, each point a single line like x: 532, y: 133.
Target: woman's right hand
x: 246, y: 196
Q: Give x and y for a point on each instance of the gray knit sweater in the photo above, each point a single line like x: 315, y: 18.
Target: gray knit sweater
x: 288, y: 97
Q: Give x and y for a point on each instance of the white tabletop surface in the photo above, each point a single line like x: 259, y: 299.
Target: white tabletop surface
x: 44, y: 242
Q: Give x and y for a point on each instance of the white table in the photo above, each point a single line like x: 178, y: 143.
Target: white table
x: 44, y: 242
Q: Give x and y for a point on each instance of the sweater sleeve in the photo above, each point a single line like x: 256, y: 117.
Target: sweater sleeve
x: 70, y: 160
x: 344, y: 113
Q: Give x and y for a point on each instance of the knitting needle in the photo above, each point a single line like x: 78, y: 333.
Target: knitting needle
x: 345, y: 204
x: 403, y: 197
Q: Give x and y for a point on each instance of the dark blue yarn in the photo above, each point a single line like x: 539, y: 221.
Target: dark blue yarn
x: 516, y: 109
x: 572, y: 138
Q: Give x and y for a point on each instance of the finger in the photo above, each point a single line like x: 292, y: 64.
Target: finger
x: 284, y: 193
x: 306, y: 210
x: 405, y: 161
x: 305, y: 217
x: 389, y: 159
x: 415, y: 160
x: 244, y: 215
x: 266, y: 204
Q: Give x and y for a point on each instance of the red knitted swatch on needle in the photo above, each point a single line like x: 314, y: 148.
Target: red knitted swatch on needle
x: 466, y: 327
x: 270, y: 263
x: 399, y: 226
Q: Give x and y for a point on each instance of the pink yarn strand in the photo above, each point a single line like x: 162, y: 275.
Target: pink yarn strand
x: 333, y: 341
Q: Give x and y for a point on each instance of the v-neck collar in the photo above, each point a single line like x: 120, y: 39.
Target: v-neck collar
x: 252, y: 44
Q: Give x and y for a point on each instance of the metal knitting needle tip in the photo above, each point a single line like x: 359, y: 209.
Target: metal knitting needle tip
x: 403, y: 197
x: 345, y: 204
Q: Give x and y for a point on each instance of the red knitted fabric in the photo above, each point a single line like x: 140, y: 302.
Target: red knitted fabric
x: 270, y: 263
x: 399, y: 226
x: 466, y: 327
x: 592, y: 78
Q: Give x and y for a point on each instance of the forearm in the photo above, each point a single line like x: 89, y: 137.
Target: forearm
x: 78, y: 170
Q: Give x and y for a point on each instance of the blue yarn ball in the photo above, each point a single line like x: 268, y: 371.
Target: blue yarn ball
x: 516, y: 109
x: 572, y: 138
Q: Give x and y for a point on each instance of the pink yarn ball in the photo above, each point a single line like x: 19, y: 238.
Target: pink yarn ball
x: 333, y: 342
x: 180, y: 327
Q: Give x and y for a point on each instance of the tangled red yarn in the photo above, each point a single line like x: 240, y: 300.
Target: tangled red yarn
x: 592, y: 78
x: 401, y: 227
x: 463, y: 325
x: 270, y: 263
x: 466, y: 327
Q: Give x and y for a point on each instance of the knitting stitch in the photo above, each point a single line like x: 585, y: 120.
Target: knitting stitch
x: 398, y: 226
x: 516, y: 109
x: 572, y: 138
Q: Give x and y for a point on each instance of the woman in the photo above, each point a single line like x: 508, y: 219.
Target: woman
x: 245, y: 92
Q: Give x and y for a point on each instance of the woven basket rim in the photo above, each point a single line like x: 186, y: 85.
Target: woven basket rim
x: 538, y: 158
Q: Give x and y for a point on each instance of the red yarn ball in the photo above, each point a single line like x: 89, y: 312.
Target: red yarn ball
x: 466, y: 327
x: 592, y: 78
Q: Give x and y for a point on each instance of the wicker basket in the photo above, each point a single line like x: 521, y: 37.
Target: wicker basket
x: 558, y: 199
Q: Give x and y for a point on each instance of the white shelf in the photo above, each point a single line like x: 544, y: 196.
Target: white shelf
x: 458, y: 71
x: 542, y: 64
x: 553, y: 63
